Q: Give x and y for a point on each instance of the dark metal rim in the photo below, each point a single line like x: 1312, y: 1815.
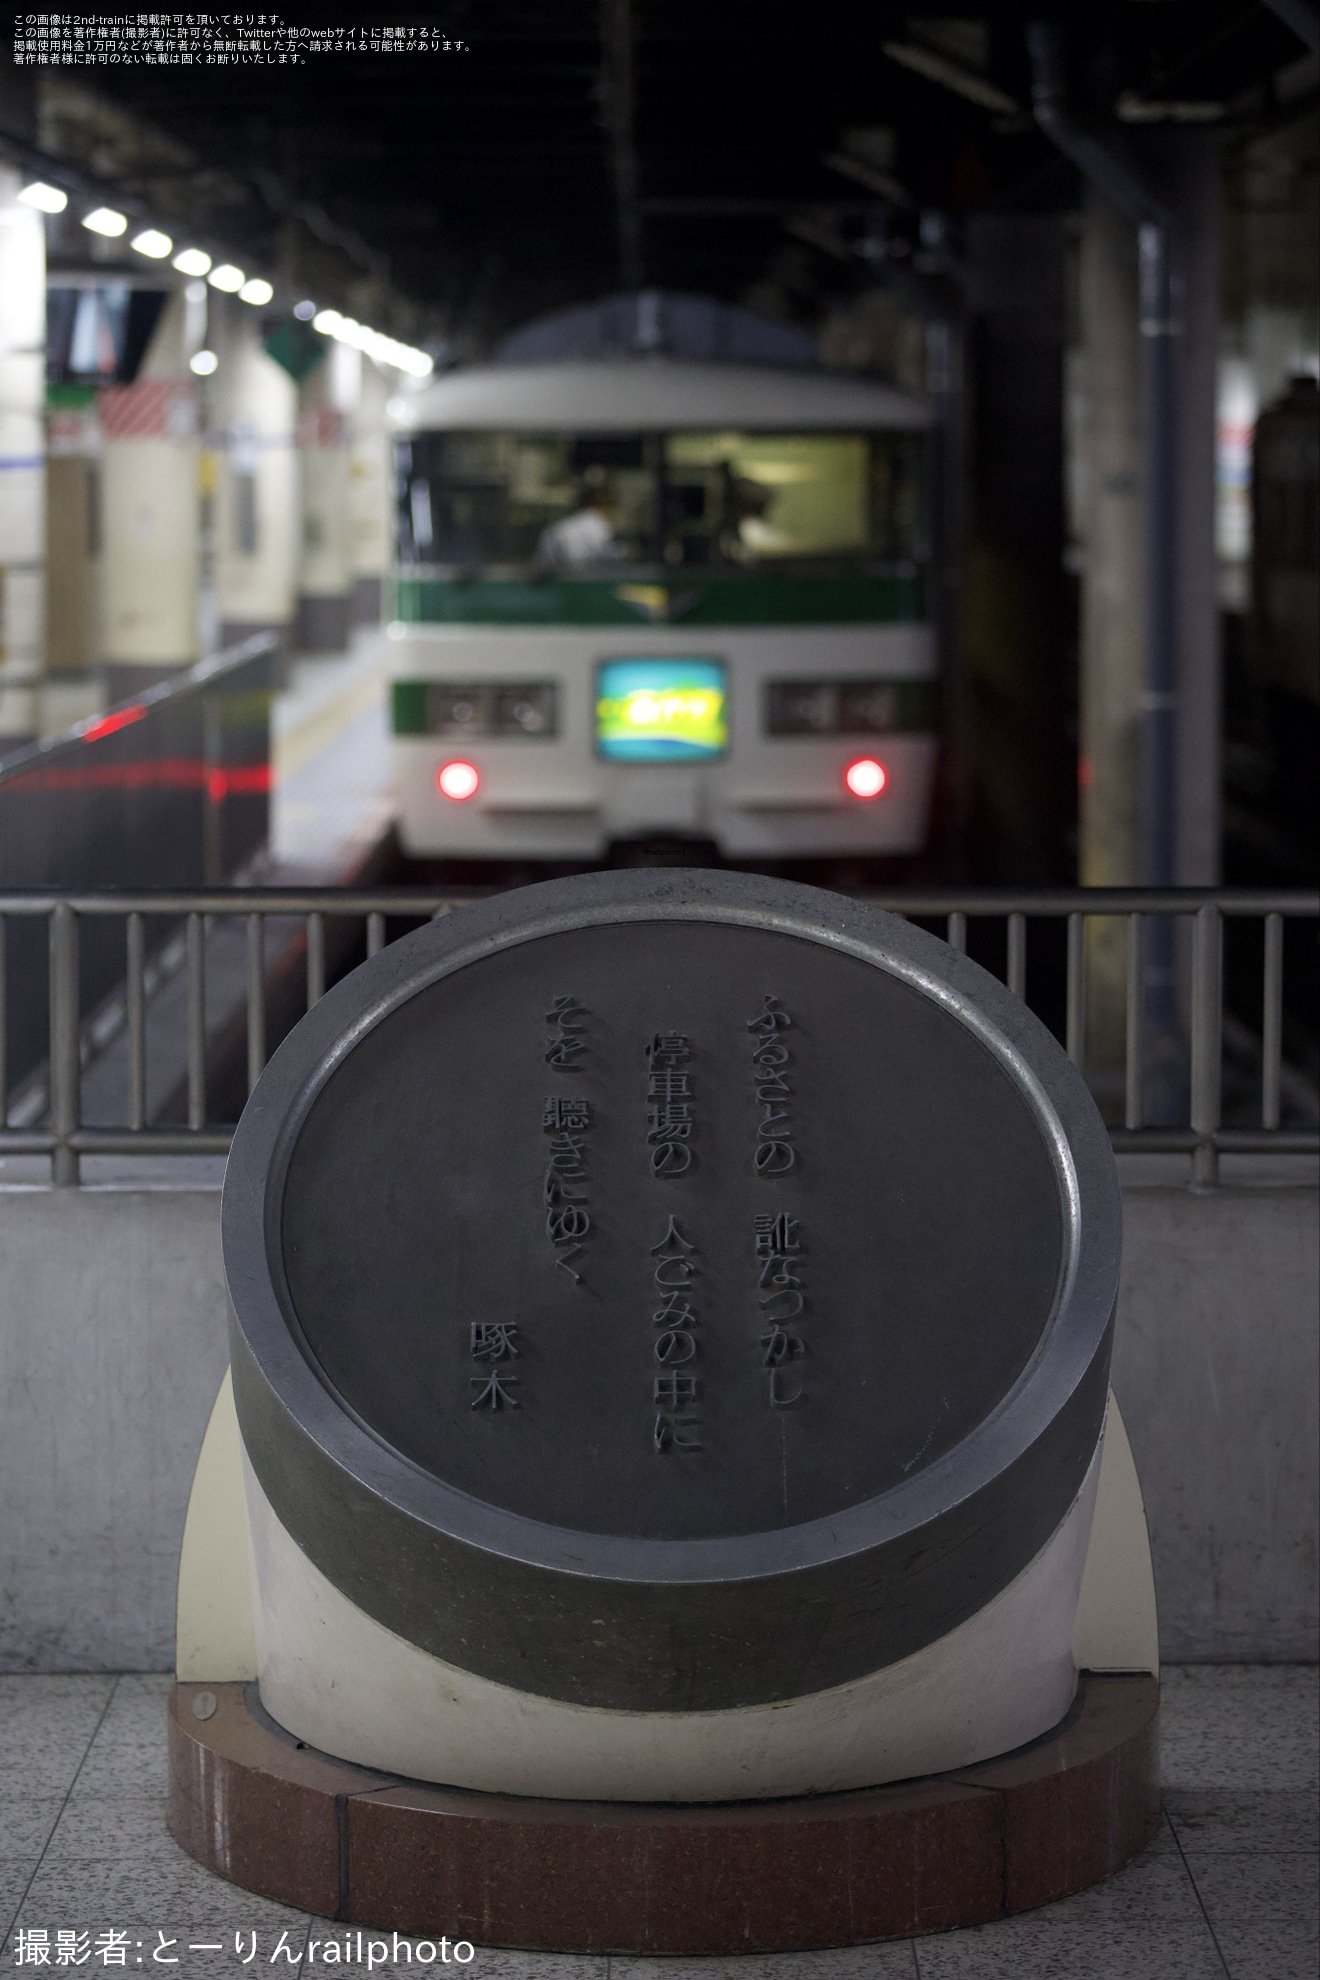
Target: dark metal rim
x: 1065, y: 1112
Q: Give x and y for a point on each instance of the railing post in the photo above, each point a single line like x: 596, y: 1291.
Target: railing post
x: 315, y: 958
x: 1271, y: 1048
x: 195, y: 938
x: 1207, y: 1026
x: 4, y: 1030
x: 256, y: 998
x: 1134, y: 1078
x: 65, y: 1062
x: 1075, y: 1002
x: 135, y: 1005
x: 1017, y: 954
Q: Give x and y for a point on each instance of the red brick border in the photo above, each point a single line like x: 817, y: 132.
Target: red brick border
x: 252, y: 1804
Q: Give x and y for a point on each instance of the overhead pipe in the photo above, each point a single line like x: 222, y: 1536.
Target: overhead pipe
x: 618, y: 85
x: 1301, y: 17
x: 1159, y: 327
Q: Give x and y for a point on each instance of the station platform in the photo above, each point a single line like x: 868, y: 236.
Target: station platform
x: 331, y: 808
x: 1227, y: 1891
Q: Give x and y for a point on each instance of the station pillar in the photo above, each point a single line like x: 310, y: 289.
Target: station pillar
x: 22, y: 459
x: 1107, y: 482
x: 73, y: 532
x: 257, y: 498
x: 369, y: 502
x: 151, y: 516
x: 328, y: 400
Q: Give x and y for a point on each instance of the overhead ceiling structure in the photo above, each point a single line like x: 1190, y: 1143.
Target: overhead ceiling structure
x: 567, y: 150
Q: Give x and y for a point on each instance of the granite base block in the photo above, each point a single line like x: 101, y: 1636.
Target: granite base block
x: 258, y: 1807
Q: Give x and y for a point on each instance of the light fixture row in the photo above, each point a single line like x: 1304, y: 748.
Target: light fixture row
x: 232, y: 281
x: 155, y: 245
x: 385, y: 350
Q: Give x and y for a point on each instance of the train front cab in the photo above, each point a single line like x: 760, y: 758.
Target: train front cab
x: 718, y: 633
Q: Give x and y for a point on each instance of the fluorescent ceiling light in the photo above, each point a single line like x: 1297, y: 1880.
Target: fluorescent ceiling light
x: 227, y: 277
x: 104, y: 220
x: 203, y: 363
x: 192, y: 261
x: 152, y: 243
x: 46, y: 199
x: 255, y: 290
x: 384, y: 350
x: 937, y: 69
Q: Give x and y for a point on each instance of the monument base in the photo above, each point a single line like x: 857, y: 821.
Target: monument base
x: 369, y: 1849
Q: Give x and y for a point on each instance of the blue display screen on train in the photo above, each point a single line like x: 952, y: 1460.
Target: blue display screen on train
x: 661, y: 711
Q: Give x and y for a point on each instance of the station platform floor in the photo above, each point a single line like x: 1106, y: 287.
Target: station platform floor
x: 1227, y: 1891
x: 331, y: 804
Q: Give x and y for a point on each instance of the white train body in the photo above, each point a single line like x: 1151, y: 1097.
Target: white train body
x: 646, y: 598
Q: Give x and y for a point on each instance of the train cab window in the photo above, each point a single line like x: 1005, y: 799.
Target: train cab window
x: 554, y: 502
x: 767, y: 496
x: 584, y: 504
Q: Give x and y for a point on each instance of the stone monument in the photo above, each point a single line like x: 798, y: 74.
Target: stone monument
x: 672, y: 1321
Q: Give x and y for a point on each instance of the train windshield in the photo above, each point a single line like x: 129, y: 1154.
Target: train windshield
x: 598, y: 504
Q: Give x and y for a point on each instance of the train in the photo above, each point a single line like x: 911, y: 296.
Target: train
x: 645, y: 598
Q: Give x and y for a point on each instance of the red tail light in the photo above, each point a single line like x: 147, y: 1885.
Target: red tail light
x: 458, y: 780
x: 865, y: 778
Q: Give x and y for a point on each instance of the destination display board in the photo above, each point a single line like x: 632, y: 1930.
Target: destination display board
x: 681, y: 1259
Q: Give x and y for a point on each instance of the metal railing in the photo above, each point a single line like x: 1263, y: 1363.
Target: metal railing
x: 60, y: 1131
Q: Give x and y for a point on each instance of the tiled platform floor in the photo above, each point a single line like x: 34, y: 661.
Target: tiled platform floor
x: 1227, y: 1888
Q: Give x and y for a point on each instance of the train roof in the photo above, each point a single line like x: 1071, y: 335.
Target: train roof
x: 654, y: 394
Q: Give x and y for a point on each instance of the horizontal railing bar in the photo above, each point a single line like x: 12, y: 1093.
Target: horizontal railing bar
x: 406, y: 901
x: 66, y: 1139
x: 216, y: 1141
x: 1098, y: 901
x: 152, y: 1141
x: 1229, y: 1141
x: 1285, y: 1141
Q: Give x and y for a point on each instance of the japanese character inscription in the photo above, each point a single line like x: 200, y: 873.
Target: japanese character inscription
x: 669, y: 1098
x: 492, y: 1343
x: 675, y: 1388
x: 775, y: 1153
x: 567, y: 1219
x: 567, y: 1122
x: 566, y: 1043
x: 778, y: 1252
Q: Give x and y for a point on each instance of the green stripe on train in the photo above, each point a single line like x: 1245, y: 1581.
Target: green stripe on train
x: 917, y: 707
x: 734, y: 601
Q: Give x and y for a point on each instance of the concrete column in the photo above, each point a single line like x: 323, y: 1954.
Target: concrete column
x: 151, y: 514
x: 1107, y: 442
x: 1193, y: 181
x: 328, y: 399
x: 1017, y: 608
x: 257, y: 498
x: 73, y: 533
x: 22, y: 459
x: 370, y: 498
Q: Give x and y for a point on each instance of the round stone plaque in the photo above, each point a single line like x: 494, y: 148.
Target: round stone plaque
x: 671, y: 1290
